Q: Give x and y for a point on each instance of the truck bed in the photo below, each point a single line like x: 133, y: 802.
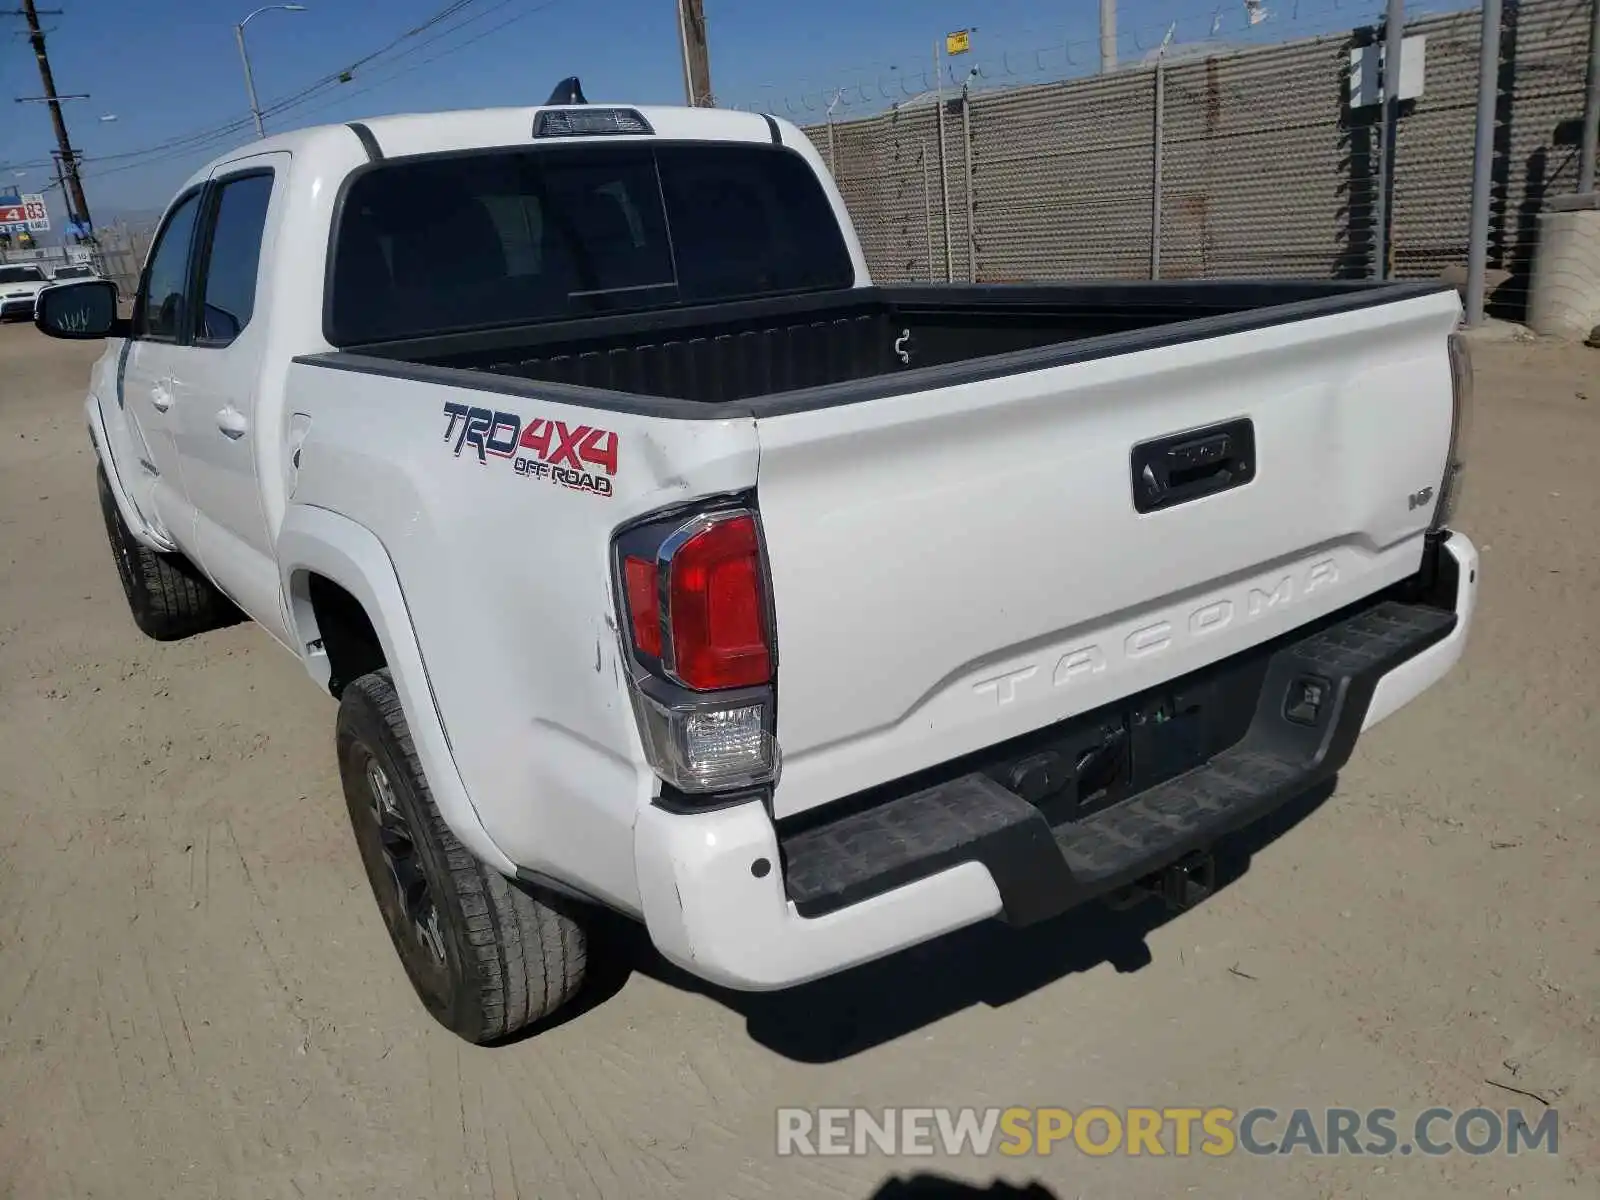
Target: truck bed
x: 1072, y: 495
x: 773, y: 355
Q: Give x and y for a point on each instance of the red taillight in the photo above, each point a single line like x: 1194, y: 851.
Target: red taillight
x: 644, y: 604
x: 718, y: 615
x: 714, y: 634
x: 701, y: 663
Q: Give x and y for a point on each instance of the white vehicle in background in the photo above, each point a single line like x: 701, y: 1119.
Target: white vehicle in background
x: 71, y: 272
x: 661, y: 561
x: 20, y: 285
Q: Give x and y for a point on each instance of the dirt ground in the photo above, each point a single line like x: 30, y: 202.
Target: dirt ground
x: 197, y: 998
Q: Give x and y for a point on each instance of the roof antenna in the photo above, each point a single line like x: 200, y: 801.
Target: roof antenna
x: 568, y: 91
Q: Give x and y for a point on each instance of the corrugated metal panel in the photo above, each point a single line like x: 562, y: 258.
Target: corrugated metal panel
x: 1267, y: 171
x: 889, y: 178
x: 1062, y: 179
x: 1259, y: 178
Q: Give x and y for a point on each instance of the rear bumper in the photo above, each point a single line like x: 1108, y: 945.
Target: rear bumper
x: 23, y: 307
x: 730, y: 898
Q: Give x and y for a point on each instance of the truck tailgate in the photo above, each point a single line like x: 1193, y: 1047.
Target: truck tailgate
x: 958, y: 566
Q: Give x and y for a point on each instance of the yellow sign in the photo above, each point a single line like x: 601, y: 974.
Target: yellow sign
x: 958, y: 42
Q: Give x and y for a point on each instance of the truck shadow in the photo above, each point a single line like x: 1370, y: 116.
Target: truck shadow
x: 989, y: 963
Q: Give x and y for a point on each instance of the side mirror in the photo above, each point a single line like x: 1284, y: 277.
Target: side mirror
x: 79, y: 311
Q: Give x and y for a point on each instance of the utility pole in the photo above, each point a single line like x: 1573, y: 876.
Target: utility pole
x: 1483, y: 160
x: 1591, y: 107
x: 1389, y: 138
x: 77, y: 205
x: 944, y: 175
x: 1108, y: 36
x: 696, y: 54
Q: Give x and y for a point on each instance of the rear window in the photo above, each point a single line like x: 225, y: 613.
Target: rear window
x: 73, y: 273
x: 548, y: 233
x: 20, y: 275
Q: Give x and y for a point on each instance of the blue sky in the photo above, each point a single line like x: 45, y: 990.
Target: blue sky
x: 168, y: 69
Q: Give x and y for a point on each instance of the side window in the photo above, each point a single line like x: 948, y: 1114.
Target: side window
x: 231, y: 260
x: 161, y: 302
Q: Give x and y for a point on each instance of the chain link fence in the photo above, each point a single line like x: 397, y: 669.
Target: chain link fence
x: 1243, y: 162
x: 120, y: 254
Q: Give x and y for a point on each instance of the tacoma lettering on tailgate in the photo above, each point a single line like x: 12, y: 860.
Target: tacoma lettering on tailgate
x: 1157, y: 637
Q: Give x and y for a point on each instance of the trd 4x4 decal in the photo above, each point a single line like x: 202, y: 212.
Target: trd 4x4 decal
x: 580, y: 457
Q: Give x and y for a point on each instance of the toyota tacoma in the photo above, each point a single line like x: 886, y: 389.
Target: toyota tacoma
x: 662, y: 562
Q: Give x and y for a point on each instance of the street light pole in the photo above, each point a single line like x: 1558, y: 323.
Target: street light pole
x: 1108, y: 36
x: 244, y: 57
x: 249, y: 81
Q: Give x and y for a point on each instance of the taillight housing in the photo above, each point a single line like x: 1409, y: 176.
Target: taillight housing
x: 696, y: 618
x: 641, y: 595
x: 1461, y: 405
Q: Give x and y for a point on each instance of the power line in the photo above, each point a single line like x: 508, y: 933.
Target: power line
x: 307, y: 95
x: 432, y: 58
x: 213, y: 136
x: 442, y: 15
x: 298, y: 100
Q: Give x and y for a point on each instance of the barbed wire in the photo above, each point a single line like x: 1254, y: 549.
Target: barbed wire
x: 874, y: 86
x: 879, y: 86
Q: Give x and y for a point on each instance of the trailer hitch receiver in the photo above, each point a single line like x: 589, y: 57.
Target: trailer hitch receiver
x: 1187, y: 882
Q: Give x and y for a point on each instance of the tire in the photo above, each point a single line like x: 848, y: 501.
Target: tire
x: 167, y: 595
x: 487, y: 955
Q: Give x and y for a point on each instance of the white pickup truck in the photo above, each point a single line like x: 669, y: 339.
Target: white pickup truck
x: 662, y: 562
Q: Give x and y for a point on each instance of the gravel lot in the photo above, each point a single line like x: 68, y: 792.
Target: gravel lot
x: 197, y: 998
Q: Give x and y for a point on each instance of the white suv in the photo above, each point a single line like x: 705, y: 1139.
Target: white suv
x: 72, y: 272
x: 20, y: 286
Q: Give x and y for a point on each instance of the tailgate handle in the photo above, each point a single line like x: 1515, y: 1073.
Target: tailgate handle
x: 1173, y: 470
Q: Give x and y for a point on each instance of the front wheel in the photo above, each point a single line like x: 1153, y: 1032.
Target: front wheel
x: 168, y: 597
x: 486, y: 955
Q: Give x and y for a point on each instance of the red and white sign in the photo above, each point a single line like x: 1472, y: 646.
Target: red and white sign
x: 26, y: 213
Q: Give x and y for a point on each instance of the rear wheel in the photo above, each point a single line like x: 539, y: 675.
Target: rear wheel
x: 488, y: 956
x: 167, y: 595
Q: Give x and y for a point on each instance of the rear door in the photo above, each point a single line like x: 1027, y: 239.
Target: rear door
x: 160, y: 327
x: 958, y: 566
x: 215, y: 382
